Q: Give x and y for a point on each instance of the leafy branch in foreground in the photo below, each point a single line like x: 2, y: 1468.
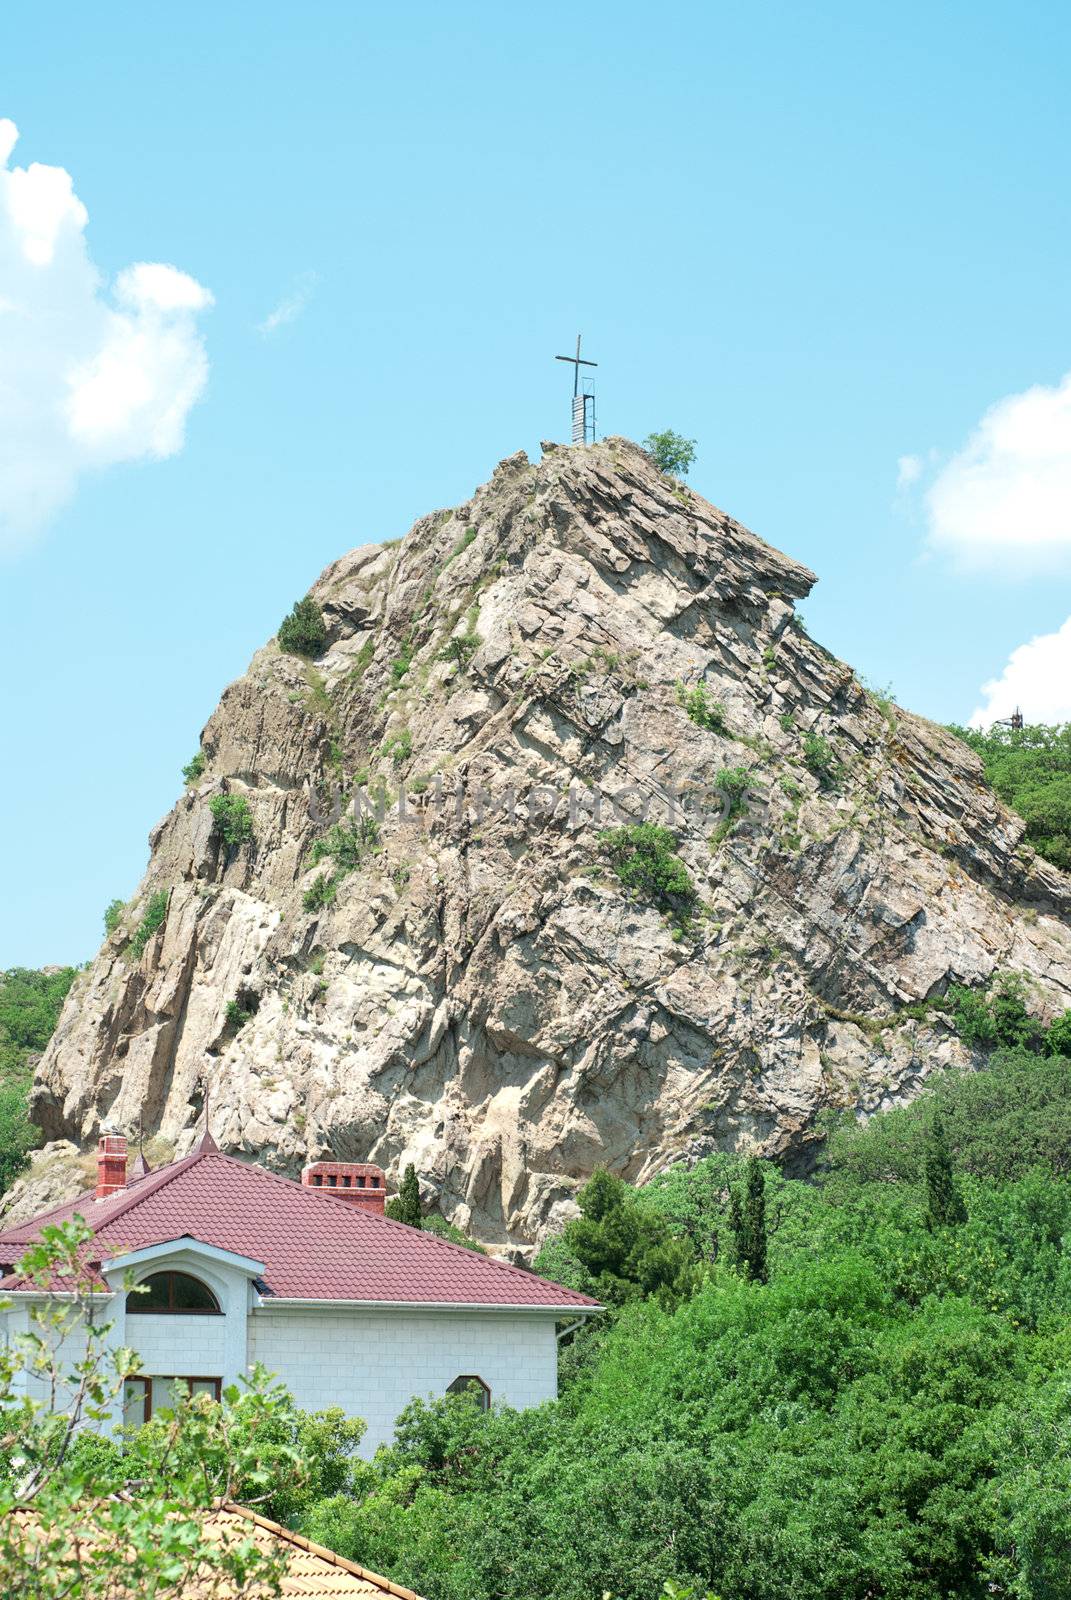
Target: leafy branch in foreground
x: 81, y: 1516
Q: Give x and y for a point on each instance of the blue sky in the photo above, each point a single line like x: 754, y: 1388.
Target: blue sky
x: 824, y: 241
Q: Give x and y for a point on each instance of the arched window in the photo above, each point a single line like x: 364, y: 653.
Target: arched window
x: 173, y: 1294
x: 470, y: 1384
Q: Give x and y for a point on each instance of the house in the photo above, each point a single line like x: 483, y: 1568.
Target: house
x: 237, y: 1265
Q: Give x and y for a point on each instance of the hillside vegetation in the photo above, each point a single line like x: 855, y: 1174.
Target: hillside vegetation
x: 30, y: 1004
x: 1030, y: 768
x: 888, y: 1415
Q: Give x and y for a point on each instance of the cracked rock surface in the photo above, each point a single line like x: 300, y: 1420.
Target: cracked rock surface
x: 479, y: 995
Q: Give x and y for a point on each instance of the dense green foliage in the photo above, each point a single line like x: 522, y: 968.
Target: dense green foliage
x: 30, y: 1004
x: 1001, y: 1015
x: 194, y: 767
x: 1030, y: 768
x: 155, y: 916
x: 232, y: 818
x: 113, y: 915
x: 644, y: 857
x: 303, y: 631
x: 888, y: 1417
x: 619, y: 1250
x: 672, y: 452
x: 747, y: 1218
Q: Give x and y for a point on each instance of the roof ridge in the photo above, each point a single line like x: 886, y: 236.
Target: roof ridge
x: 362, y: 1217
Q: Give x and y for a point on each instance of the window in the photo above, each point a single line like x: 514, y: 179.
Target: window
x: 143, y: 1396
x: 173, y: 1294
x: 469, y: 1383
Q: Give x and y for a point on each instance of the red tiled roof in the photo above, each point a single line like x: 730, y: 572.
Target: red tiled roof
x: 314, y: 1247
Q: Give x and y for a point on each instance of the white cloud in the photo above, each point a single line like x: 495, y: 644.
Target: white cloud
x: 291, y: 305
x: 908, y: 471
x: 1004, y: 500
x: 89, y: 378
x: 1036, y: 680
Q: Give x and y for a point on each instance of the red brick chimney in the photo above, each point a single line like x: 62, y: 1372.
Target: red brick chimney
x: 111, y: 1165
x: 364, y: 1186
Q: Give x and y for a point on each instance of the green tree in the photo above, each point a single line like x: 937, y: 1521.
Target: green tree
x: 405, y: 1206
x: 113, y: 915
x: 944, y: 1203
x: 194, y: 767
x: 30, y: 1004
x: 303, y: 631
x: 672, y: 452
x: 1058, y: 1035
x: 626, y: 1251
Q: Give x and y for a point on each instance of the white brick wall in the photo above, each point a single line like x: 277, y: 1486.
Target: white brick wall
x: 369, y: 1362
x: 372, y: 1363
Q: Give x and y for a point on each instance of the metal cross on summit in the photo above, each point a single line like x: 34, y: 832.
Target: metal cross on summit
x: 583, y: 403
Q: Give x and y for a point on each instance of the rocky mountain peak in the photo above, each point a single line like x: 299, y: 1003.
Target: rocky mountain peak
x: 420, y: 938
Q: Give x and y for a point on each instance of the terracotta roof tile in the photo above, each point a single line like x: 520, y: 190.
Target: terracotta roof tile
x: 314, y: 1247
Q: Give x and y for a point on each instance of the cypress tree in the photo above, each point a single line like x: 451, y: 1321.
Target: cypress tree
x: 748, y: 1223
x: 944, y: 1203
x: 405, y: 1207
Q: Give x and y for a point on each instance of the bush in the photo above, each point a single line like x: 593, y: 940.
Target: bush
x: 671, y: 451
x: 347, y: 843
x: 997, y: 1018
x: 321, y: 892
x: 644, y: 857
x: 232, y: 818
x: 704, y: 712
x: 399, y: 747
x: 820, y: 758
x: 303, y: 631
x: 194, y: 767
x: 113, y: 915
x: 155, y: 916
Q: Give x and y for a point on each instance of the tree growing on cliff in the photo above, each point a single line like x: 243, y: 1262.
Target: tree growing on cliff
x: 303, y: 631
x: 672, y: 452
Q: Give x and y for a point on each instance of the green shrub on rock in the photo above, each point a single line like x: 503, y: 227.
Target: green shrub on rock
x: 155, y: 916
x: 303, y: 632
x: 644, y: 857
x: 232, y: 818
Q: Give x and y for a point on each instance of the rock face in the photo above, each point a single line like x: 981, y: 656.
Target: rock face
x: 480, y: 995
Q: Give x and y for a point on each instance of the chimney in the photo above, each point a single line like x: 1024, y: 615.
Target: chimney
x: 364, y: 1186
x: 111, y: 1165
